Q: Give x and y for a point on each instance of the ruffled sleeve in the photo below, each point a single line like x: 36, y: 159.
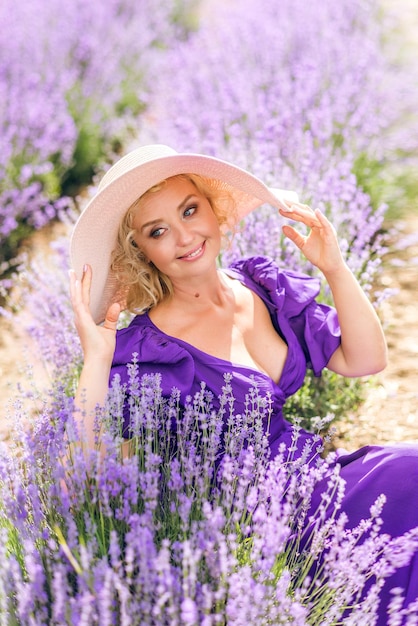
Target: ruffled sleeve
x: 155, y: 353
x: 291, y: 299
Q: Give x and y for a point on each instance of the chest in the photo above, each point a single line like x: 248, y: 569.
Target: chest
x: 241, y: 333
x: 248, y: 338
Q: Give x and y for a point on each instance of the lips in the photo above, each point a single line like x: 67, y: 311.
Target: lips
x: 194, y: 253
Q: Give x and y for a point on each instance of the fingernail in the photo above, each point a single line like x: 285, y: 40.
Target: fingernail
x: 84, y: 268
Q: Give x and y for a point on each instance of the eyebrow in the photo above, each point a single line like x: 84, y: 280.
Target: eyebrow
x: 180, y: 206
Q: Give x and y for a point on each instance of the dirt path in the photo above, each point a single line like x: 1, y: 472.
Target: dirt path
x: 19, y: 356
x: 390, y: 413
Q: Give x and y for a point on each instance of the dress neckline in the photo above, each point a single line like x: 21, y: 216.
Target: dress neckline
x: 190, y: 347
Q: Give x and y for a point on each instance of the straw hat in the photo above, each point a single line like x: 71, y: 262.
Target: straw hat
x: 94, y: 235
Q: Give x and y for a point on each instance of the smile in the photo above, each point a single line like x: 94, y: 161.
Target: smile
x: 194, y: 253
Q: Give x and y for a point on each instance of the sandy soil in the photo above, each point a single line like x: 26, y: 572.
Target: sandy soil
x: 20, y: 365
x: 390, y: 413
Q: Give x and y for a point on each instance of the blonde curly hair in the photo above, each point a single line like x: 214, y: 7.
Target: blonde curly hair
x: 144, y: 284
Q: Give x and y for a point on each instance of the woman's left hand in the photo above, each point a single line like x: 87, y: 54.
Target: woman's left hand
x: 320, y: 245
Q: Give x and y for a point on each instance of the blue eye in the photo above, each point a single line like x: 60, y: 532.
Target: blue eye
x: 190, y: 210
x: 157, y: 233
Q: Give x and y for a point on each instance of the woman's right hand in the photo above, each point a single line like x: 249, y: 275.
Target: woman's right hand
x: 97, y: 342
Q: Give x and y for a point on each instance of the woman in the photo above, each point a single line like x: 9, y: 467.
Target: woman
x: 149, y: 241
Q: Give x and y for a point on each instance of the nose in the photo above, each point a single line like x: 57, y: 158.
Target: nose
x: 184, y: 235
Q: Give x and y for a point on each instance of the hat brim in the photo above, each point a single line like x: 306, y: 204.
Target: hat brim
x: 95, y: 233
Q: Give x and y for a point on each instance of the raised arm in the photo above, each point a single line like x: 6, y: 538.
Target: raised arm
x: 363, y: 348
x: 98, y: 344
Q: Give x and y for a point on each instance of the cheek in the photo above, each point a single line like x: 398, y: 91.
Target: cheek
x: 212, y: 219
x: 216, y: 227
x: 157, y: 251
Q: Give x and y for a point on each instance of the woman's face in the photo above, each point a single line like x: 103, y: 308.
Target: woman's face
x: 177, y: 230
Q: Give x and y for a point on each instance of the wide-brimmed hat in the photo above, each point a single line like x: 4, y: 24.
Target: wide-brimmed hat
x: 95, y: 233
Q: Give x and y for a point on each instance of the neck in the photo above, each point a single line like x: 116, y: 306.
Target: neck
x: 211, y: 289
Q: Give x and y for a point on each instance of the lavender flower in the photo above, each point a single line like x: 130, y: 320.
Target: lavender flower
x: 139, y: 540
x: 194, y: 526
x: 61, y: 120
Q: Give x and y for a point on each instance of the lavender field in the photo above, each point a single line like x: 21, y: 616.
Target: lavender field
x: 308, y: 96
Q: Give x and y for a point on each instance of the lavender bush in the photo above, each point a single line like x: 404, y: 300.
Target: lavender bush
x: 72, y: 79
x: 303, y: 96
x: 186, y: 526
x: 297, y: 94
x: 190, y: 527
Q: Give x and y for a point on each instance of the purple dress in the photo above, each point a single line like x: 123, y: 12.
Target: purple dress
x: 312, y: 334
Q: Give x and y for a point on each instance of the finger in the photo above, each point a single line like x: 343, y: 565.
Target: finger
x: 86, y: 284
x: 321, y: 217
x: 301, y: 213
x: 75, y: 289
x: 327, y: 227
x: 296, y: 206
x: 292, y: 234
x: 72, y: 276
x: 112, y: 316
